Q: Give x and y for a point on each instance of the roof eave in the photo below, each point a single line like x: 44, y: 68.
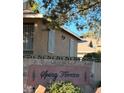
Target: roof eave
x: 32, y: 15
x: 27, y: 15
x: 80, y: 39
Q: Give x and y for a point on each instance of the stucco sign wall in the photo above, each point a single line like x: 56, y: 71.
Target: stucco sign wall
x: 38, y: 74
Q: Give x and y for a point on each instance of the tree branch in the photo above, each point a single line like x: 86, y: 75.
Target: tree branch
x: 89, y: 7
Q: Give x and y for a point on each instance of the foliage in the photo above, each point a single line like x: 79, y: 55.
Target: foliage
x: 92, y: 34
x: 34, y: 6
x: 94, y: 55
x: 64, y: 11
x: 63, y: 87
x: 98, y: 84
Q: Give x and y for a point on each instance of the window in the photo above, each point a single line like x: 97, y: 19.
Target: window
x: 51, y: 42
x: 28, y: 29
x: 91, y: 44
x: 72, y: 50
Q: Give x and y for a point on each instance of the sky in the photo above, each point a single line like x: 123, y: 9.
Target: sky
x: 71, y: 26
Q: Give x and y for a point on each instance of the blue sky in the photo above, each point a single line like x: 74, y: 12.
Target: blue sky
x: 71, y: 26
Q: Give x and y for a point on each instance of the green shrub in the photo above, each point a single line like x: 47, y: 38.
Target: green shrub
x: 91, y: 56
x: 98, y: 84
x: 63, y: 87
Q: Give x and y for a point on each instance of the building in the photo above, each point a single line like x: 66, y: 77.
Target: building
x: 89, y: 45
x: 39, y: 39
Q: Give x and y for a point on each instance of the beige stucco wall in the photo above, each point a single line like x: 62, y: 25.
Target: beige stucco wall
x: 40, y: 45
x: 48, y: 62
x: 96, y: 70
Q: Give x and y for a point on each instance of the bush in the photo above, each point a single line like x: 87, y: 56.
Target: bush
x: 98, y: 84
x: 95, y: 56
x: 63, y: 87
